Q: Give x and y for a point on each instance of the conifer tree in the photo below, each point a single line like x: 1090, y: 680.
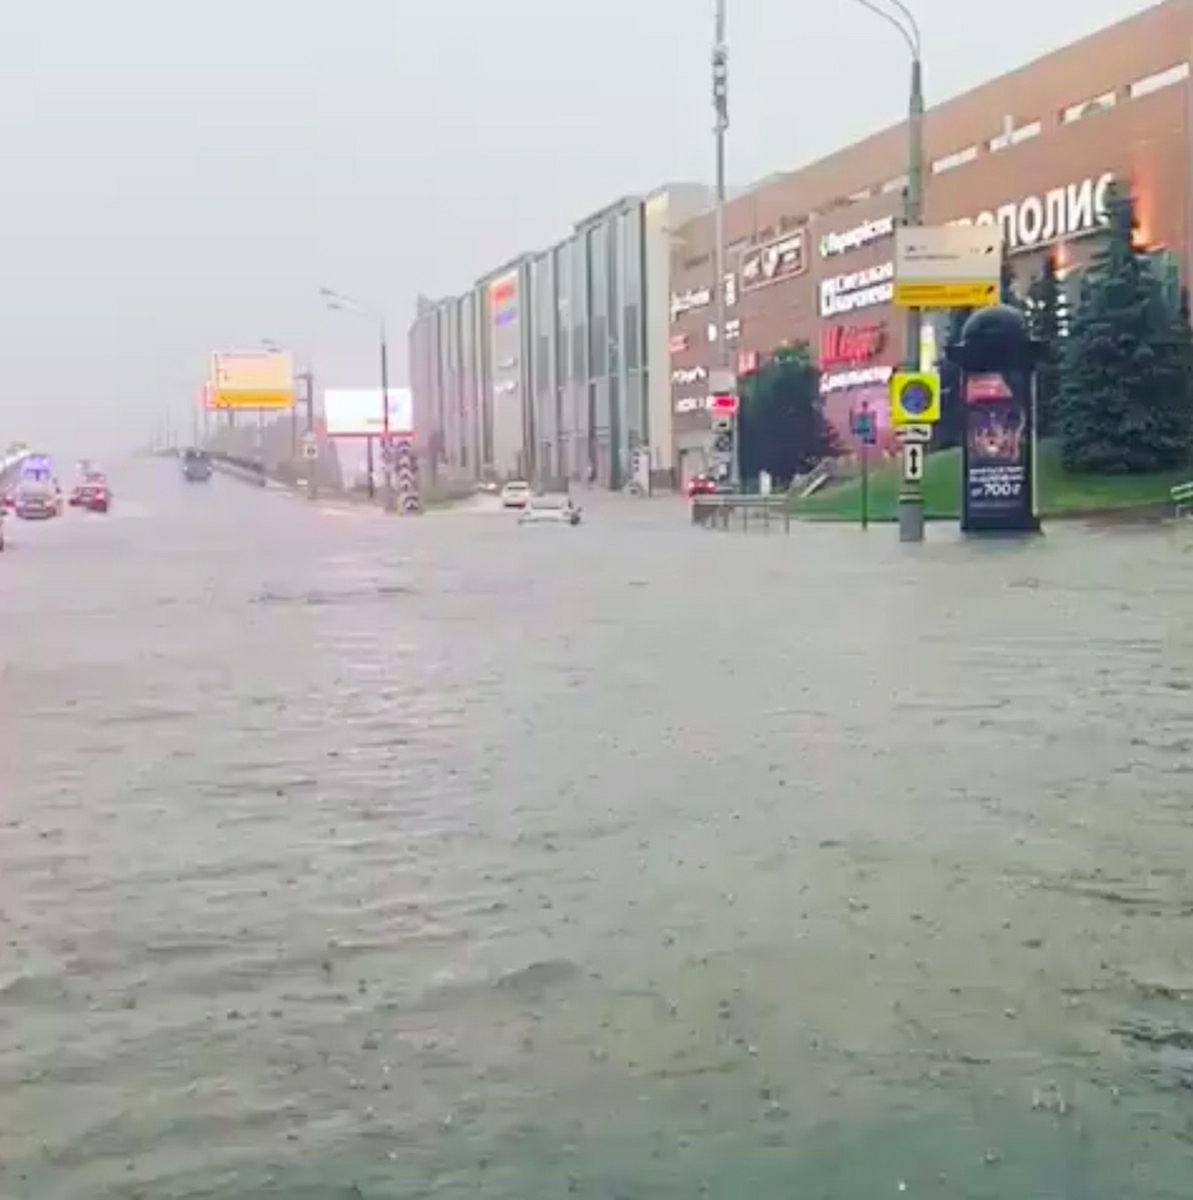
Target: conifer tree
x: 1126, y: 401
x: 1045, y: 322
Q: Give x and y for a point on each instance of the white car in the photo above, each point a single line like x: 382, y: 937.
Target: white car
x: 555, y: 509
x: 515, y: 494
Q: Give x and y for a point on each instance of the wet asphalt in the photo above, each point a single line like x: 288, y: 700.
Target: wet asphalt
x: 350, y: 856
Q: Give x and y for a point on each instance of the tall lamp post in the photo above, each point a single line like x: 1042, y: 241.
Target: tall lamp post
x: 307, y: 379
x: 911, y: 494
x: 913, y: 196
x: 342, y: 303
x: 720, y: 104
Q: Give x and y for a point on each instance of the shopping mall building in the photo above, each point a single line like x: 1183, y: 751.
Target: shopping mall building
x: 568, y: 362
x: 810, y: 253
x: 556, y: 365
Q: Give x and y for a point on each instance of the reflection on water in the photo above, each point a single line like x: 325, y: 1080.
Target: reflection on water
x: 346, y: 858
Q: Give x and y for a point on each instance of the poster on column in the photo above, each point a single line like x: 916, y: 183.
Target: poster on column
x: 997, y: 453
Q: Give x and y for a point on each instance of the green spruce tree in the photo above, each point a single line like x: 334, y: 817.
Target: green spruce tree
x: 1044, y: 295
x: 1126, y: 403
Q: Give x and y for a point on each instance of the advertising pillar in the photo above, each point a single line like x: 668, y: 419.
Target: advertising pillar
x: 997, y: 358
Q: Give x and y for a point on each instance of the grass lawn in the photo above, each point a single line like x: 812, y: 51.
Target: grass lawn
x: 1060, y: 494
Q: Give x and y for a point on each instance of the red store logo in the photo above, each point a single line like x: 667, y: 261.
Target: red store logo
x: 848, y: 345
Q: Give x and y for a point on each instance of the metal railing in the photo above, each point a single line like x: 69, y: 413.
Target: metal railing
x: 1182, y: 498
x: 718, y: 511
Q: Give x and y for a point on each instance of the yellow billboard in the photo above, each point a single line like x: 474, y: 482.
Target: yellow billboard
x: 252, y: 379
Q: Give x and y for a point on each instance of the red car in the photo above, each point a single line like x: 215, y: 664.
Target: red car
x: 92, y: 494
x: 702, y: 485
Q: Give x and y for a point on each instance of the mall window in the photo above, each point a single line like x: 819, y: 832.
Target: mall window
x: 1087, y: 108
x: 1012, y: 135
x: 1161, y: 79
x: 951, y: 161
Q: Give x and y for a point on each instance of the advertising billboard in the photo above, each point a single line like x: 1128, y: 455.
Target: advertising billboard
x: 252, y: 380
x: 358, y: 412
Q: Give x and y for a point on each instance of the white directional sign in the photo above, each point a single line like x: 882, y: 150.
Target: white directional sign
x: 914, y: 433
x: 913, y: 462
x: 947, y: 266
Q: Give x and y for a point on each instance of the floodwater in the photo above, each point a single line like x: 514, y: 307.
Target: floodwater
x: 352, y: 857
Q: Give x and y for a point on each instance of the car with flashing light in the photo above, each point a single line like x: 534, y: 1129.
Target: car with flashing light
x: 515, y: 494
x: 36, y: 500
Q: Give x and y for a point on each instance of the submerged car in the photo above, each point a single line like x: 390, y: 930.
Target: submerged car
x: 552, y: 509
x: 36, y: 500
x: 196, y: 466
x: 91, y: 492
x: 515, y: 494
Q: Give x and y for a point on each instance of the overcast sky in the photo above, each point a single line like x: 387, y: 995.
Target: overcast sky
x: 178, y: 176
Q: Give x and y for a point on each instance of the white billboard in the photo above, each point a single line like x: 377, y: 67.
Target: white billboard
x: 357, y: 412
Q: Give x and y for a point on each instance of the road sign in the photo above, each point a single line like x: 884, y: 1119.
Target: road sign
x: 863, y: 427
x: 251, y: 380
x: 913, y: 462
x: 723, y: 442
x: 915, y: 398
x: 947, y: 266
x: 914, y: 433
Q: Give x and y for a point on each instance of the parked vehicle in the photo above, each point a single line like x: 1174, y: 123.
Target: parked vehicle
x: 515, y: 494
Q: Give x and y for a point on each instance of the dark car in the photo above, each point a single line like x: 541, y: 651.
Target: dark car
x: 196, y: 466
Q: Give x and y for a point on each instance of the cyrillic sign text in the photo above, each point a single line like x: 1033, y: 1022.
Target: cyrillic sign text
x: 832, y: 244
x: 858, y: 289
x: 840, y: 381
x: 682, y: 302
x: 1061, y: 214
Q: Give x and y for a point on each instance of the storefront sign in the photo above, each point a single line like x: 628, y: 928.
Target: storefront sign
x: 686, y: 375
x: 678, y: 343
x: 776, y: 261
x: 843, y: 381
x: 747, y: 362
x: 851, y: 344
x: 1061, y: 214
x: 689, y: 404
x: 692, y: 299
x: 503, y: 299
x: 859, y: 289
x: 832, y: 244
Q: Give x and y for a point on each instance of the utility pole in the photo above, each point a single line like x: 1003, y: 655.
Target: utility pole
x: 310, y: 466
x: 725, y: 377
x: 387, y: 447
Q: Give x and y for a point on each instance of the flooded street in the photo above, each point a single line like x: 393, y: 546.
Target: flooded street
x: 345, y: 857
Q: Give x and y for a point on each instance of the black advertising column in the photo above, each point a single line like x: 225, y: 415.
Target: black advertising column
x: 998, y: 359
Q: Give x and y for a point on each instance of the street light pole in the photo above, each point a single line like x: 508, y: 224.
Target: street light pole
x: 344, y: 303
x: 386, y: 446
x: 911, y: 494
x: 720, y: 103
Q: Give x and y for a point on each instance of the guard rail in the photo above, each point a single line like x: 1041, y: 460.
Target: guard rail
x: 1182, y: 498
x: 717, y: 511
